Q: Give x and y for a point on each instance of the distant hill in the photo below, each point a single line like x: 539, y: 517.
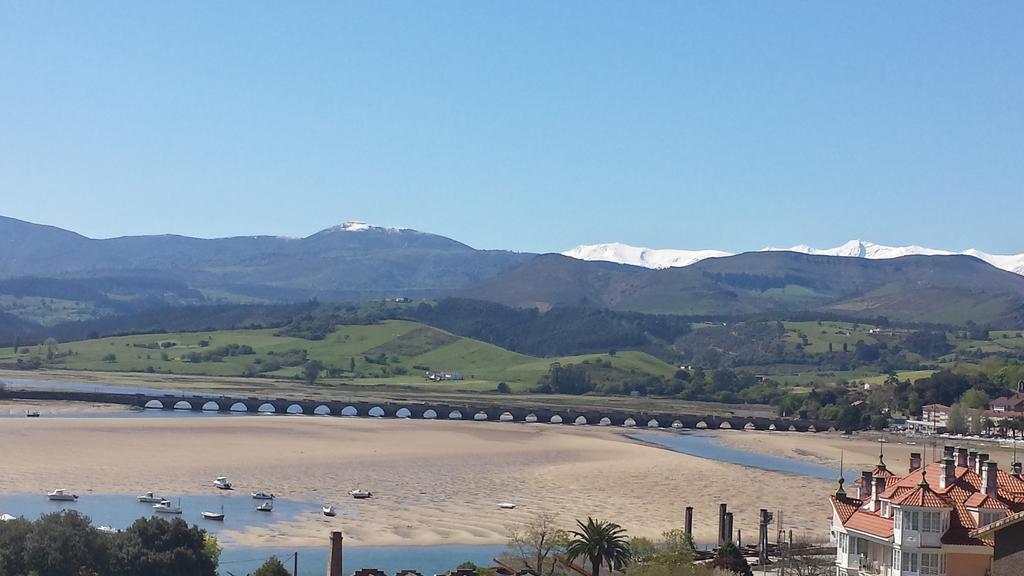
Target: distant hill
x: 353, y: 261
x: 939, y: 289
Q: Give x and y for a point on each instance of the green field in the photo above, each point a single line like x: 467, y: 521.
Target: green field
x: 393, y: 352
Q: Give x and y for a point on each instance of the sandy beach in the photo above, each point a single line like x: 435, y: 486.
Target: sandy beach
x: 434, y: 482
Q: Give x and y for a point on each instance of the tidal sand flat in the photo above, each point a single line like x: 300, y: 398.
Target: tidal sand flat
x: 434, y: 482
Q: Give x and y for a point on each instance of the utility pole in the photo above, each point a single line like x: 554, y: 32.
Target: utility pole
x: 295, y: 565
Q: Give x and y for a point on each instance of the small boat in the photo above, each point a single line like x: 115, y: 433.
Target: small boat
x: 222, y: 483
x: 506, y: 505
x: 149, y: 498
x: 107, y: 530
x: 6, y: 518
x: 33, y: 414
x: 165, y: 507
x: 360, y: 494
x: 214, y: 515
x: 266, y: 506
x: 328, y: 510
x: 61, y: 495
x: 262, y: 496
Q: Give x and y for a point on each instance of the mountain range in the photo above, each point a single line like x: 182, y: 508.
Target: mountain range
x: 49, y: 276
x: 670, y: 258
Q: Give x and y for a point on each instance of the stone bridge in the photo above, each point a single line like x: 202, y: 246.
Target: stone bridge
x: 427, y: 410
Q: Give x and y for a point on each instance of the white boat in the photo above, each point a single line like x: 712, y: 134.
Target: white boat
x: 165, y: 507
x: 328, y: 510
x: 262, y: 496
x: 61, y: 495
x: 149, y: 498
x: 506, y: 505
x: 360, y: 494
x: 266, y: 506
x: 6, y: 518
x: 222, y: 483
x: 107, y: 530
x: 215, y: 515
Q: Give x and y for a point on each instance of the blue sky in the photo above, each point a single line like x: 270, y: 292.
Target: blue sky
x: 524, y: 125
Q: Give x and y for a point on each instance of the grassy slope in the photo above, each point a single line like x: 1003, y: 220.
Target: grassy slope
x: 407, y: 344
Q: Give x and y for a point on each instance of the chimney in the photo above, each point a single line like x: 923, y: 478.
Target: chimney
x: 334, y: 566
x: 972, y: 457
x: 915, y: 461
x: 947, y: 451
x: 961, y: 457
x: 688, y: 521
x: 721, y: 523
x: 979, y: 465
x: 876, y: 492
x: 989, y: 476
x: 947, y: 473
x: 864, y: 491
x: 1016, y: 469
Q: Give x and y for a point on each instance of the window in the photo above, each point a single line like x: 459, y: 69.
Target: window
x: 897, y: 517
x: 933, y: 564
x: 843, y: 542
x: 896, y: 560
x: 989, y: 517
x: 910, y: 561
x: 910, y: 520
x: 930, y: 521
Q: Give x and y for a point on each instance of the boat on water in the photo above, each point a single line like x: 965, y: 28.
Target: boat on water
x: 165, y: 507
x: 266, y: 506
x: 61, y: 495
x: 149, y: 498
x: 215, y: 515
x: 506, y: 505
x: 222, y: 483
x: 32, y: 414
x: 360, y: 494
x: 262, y: 496
x: 328, y: 510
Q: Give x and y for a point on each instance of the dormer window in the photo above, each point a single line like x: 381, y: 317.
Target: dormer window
x: 931, y: 521
x: 988, y: 517
x: 885, y: 509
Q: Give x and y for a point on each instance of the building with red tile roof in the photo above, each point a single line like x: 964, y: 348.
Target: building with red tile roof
x: 928, y: 522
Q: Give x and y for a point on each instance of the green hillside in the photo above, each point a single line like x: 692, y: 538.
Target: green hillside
x: 393, y: 352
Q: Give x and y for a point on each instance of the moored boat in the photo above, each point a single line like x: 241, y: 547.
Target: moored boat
x: 360, y: 494
x: 262, y: 496
x: 506, y: 505
x: 149, y: 498
x: 266, y: 506
x: 215, y: 515
x: 222, y: 483
x: 328, y: 510
x: 61, y: 495
x: 165, y: 507
x: 32, y: 414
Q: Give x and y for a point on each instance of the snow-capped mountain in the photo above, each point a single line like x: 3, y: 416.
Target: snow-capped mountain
x: 646, y: 257
x: 669, y: 258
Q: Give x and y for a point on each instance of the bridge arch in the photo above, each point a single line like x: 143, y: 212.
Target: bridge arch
x: 653, y: 423
x: 239, y: 407
x: 403, y: 413
x: 725, y: 425
x: 749, y: 426
x: 266, y: 408
x: 182, y: 405
x: 295, y: 409
x: 629, y: 422
x: 556, y: 419
x: 154, y: 404
x: 702, y: 425
x: 580, y: 421
x: 211, y: 406
x: 506, y: 416
x: 430, y: 414
x: 455, y: 415
x: 322, y: 410
x: 605, y: 421
x: 375, y: 412
x: 531, y: 417
x: 349, y: 411
x: 677, y: 424
x: 481, y: 415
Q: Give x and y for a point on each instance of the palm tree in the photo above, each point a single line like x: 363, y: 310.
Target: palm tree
x: 601, y: 543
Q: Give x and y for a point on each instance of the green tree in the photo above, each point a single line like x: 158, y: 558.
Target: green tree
x: 956, y: 422
x: 311, y: 371
x: 110, y: 358
x: 537, y: 543
x: 731, y: 558
x: 503, y: 388
x: 272, y: 567
x: 600, y: 542
x: 975, y: 398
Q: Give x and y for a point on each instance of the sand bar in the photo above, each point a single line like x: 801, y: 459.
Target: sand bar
x: 434, y: 482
